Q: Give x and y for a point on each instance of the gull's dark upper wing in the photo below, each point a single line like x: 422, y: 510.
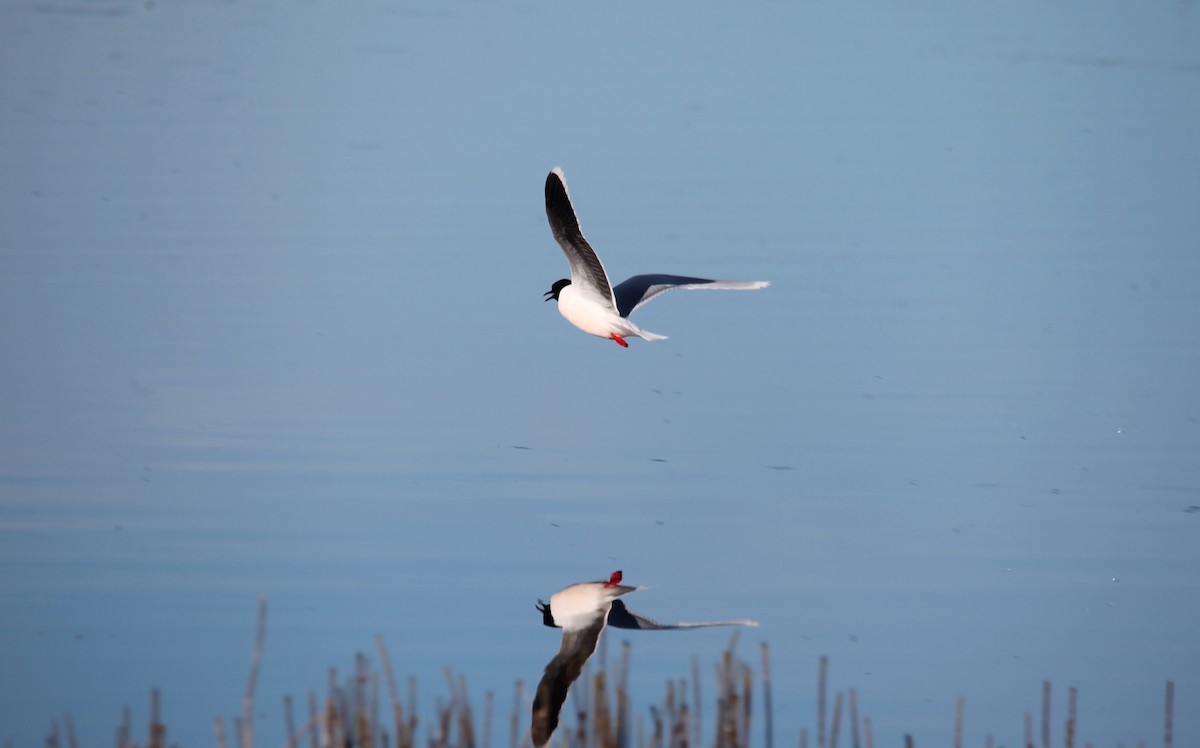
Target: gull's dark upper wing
x: 587, y: 274
x: 621, y: 617
x: 577, y: 647
x: 636, y: 291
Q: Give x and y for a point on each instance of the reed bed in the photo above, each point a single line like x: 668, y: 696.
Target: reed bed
x: 366, y: 709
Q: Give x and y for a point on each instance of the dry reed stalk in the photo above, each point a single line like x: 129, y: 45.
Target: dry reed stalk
x: 289, y: 721
x: 822, y: 676
x: 722, y: 737
x: 514, y: 722
x: 373, y: 696
x: 448, y: 710
x: 679, y: 737
x: 601, y: 722
x: 697, y: 723
x: 747, y: 703
x: 362, y: 728
x: 623, y: 697
x: 727, y: 704
x: 445, y: 722
x: 719, y: 738
x: 1072, y: 695
x: 1045, y: 714
x: 335, y: 730
x: 735, y: 688
x: 868, y: 738
x: 487, y: 719
x: 219, y: 731
x: 679, y: 716
x: 579, y: 695
x: 260, y: 634
x: 803, y: 737
x: 768, y: 718
x: 656, y: 737
x: 581, y: 721
x: 312, y: 717
x: 853, y: 699
x: 295, y: 736
x: 670, y: 713
x: 69, y: 724
x: 406, y: 728
x: 1028, y: 730
x: 158, y: 731
x: 466, y: 715
x: 1169, y: 716
x: 125, y: 729
x: 412, y: 707
x: 359, y: 706
x: 835, y: 726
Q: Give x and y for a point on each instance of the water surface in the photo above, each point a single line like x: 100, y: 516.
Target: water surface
x: 271, y: 290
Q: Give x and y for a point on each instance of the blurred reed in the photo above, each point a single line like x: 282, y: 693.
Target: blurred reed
x: 367, y: 710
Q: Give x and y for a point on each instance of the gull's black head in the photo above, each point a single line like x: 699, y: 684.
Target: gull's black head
x: 556, y: 289
x: 547, y: 616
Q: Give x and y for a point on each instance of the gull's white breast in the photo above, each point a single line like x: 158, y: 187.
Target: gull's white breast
x: 590, y: 314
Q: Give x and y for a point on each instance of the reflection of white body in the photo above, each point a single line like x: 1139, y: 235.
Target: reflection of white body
x: 584, y: 605
x: 588, y: 300
x: 582, y: 611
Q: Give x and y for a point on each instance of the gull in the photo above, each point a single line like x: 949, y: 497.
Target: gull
x: 587, y: 299
x: 581, y: 611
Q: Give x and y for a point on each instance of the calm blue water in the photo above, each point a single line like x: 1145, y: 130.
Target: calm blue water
x: 271, y: 316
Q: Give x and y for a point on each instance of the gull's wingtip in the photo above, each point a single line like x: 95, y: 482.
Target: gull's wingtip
x: 556, y: 175
x: 725, y: 285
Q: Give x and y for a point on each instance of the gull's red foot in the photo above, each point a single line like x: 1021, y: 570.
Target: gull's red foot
x: 620, y: 340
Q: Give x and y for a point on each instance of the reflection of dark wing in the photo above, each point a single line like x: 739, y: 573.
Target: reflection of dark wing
x: 587, y: 274
x: 577, y: 647
x: 621, y: 617
x: 636, y: 291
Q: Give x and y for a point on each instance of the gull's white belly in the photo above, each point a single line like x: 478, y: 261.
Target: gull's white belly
x: 590, y: 315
